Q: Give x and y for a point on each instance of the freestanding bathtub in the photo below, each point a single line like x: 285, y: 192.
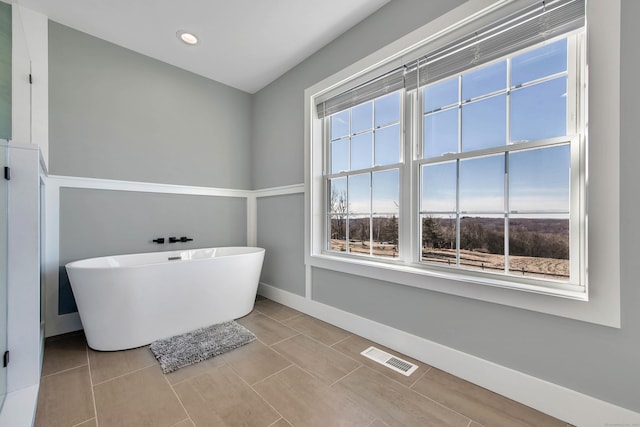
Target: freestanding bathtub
x: 128, y: 301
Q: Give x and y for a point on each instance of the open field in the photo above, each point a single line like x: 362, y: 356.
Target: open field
x: 379, y: 249
x: 549, y: 268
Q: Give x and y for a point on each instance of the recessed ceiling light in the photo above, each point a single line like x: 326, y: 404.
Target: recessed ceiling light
x: 187, y: 37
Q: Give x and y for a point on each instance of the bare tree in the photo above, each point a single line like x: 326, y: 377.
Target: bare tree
x: 338, y: 208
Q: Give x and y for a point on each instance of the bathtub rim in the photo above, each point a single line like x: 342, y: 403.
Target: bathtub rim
x: 80, y: 264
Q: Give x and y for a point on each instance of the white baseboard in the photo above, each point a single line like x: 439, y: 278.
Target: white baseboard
x: 560, y: 402
x: 20, y: 407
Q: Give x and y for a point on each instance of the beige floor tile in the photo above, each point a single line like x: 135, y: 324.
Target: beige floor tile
x: 255, y: 361
x: 355, y: 344
x: 185, y: 423
x: 142, y: 398
x: 64, y: 352
x: 275, y: 310
x: 281, y: 423
x: 318, y: 359
x: 106, y: 365
x: 480, y: 404
x: 394, y: 403
x: 317, y: 329
x: 196, y: 406
x: 266, y: 329
x: 194, y: 370
x: 65, y: 399
x: 130, y: 389
x: 221, y: 398
x: 305, y: 401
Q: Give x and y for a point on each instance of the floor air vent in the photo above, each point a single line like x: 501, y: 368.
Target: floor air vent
x: 390, y: 361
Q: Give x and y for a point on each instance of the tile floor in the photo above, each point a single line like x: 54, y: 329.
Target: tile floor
x: 299, y: 372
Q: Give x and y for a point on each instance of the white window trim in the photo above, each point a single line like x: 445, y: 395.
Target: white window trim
x: 603, y: 32
x: 576, y: 287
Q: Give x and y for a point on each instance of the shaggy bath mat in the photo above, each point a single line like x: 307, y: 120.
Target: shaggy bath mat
x: 182, y: 350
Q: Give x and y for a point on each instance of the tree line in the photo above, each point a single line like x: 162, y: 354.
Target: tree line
x: 548, y: 238
x: 543, y: 238
x: 378, y: 229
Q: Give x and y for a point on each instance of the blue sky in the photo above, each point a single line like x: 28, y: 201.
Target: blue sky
x: 538, y: 179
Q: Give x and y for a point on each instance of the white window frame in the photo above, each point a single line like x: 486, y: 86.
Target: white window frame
x: 327, y: 176
x: 603, y: 192
x: 576, y: 287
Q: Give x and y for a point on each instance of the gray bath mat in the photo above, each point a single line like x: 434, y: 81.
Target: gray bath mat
x: 195, y: 346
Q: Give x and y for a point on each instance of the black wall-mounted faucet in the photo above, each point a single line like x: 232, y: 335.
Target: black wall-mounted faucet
x: 182, y: 239
x: 159, y: 240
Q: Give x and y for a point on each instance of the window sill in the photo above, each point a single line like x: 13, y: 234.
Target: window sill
x: 572, y: 305
x: 421, y: 276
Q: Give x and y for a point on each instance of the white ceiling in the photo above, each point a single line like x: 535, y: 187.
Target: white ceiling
x: 243, y: 43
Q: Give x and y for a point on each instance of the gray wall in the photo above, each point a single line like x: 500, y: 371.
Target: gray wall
x: 117, y: 114
x: 5, y: 70
x: 278, y: 113
x: 101, y: 222
x: 281, y: 233
x: 596, y: 360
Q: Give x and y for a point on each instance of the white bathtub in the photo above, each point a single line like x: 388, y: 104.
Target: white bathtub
x: 128, y: 301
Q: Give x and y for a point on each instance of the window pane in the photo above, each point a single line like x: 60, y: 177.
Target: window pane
x: 361, y: 151
x: 539, y: 246
x: 359, y: 235
x: 484, y: 80
x: 362, y: 117
x: 539, y: 111
x: 540, y: 179
x: 337, y: 233
x: 338, y: 195
x: 385, y: 191
x: 439, y: 239
x: 387, y: 109
x: 387, y: 142
x: 440, y: 133
x: 482, y: 184
x: 482, y: 199
x: 340, y: 125
x: 543, y: 61
x: 441, y: 94
x: 484, y: 123
x: 482, y: 243
x: 385, y: 236
x: 340, y: 156
x: 439, y: 187
x: 359, y: 193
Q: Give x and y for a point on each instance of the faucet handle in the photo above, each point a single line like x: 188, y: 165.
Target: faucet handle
x: 159, y: 240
